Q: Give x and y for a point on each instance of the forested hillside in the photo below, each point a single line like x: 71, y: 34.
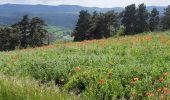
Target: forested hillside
x: 63, y: 16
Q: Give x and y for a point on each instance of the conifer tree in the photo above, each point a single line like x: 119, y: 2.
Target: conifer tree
x: 165, y: 21
x: 154, y: 19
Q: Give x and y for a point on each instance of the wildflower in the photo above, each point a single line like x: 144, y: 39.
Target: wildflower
x: 135, y: 79
x: 161, y: 79
x: 165, y: 74
x: 165, y: 90
x: 149, y: 94
x: 78, y: 68
x: 161, y: 97
x: 159, y: 89
x: 148, y: 38
x: 132, y: 82
x: 101, y: 81
x: 162, y: 38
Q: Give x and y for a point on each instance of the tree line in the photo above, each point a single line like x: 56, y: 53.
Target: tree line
x: 23, y: 34
x: 132, y: 20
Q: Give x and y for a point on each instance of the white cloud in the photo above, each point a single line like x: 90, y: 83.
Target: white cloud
x: 97, y: 3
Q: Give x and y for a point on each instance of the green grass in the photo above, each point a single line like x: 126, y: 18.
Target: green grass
x: 114, y: 68
x: 12, y: 88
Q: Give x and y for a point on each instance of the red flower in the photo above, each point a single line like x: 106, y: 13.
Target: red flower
x: 135, y: 79
x: 165, y: 90
x: 159, y: 89
x: 101, y: 81
x: 162, y: 97
x: 149, y: 94
x: 161, y: 79
x: 165, y: 74
x: 132, y: 82
x: 78, y: 68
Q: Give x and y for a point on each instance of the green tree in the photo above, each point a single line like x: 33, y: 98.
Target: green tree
x: 102, y: 25
x: 37, y: 32
x: 142, y: 16
x: 111, y: 23
x: 165, y: 21
x: 97, y: 27
x: 154, y: 19
x: 129, y: 19
x: 82, y: 26
x: 9, y: 38
x: 24, y: 27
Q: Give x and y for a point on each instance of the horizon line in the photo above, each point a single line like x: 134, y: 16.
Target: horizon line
x: 77, y: 5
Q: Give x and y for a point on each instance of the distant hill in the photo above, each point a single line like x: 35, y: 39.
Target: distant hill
x: 63, y: 15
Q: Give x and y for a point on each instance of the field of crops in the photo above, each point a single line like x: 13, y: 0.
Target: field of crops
x: 130, y: 67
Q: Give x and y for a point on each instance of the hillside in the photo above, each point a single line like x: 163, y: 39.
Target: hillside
x: 63, y: 15
x: 115, y: 68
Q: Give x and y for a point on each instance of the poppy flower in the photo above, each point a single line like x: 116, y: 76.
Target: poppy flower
x: 159, y: 89
x: 101, y: 81
x: 149, y: 94
x: 161, y: 97
x: 78, y: 68
x: 132, y: 82
x: 135, y: 79
x: 165, y: 90
x: 161, y: 79
x: 165, y: 74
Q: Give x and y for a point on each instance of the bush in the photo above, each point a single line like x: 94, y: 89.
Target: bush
x: 121, y: 31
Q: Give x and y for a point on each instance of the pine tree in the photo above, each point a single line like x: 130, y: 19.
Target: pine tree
x: 165, y: 21
x: 141, y: 19
x: 154, y: 19
x: 9, y: 38
x: 23, y: 27
x: 129, y: 19
x: 82, y: 26
x: 37, y: 32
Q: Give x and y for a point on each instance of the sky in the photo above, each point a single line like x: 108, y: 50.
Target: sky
x: 90, y: 3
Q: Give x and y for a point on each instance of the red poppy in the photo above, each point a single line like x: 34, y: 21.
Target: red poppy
x: 78, y: 68
x: 161, y: 79
x: 101, y: 81
x: 135, y: 79
x: 149, y: 94
x: 132, y: 82
x: 165, y: 90
x: 165, y: 74
x: 159, y: 89
x: 162, y: 97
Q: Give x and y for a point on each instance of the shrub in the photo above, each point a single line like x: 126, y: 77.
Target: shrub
x: 121, y: 31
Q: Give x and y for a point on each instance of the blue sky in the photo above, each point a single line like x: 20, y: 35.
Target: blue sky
x: 90, y: 3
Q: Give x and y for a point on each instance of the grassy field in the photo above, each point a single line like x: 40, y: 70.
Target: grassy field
x: 130, y: 67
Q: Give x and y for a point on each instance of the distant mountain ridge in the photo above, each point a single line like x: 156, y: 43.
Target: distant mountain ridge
x: 62, y: 15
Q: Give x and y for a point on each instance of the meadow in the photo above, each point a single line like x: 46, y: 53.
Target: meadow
x: 128, y: 67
